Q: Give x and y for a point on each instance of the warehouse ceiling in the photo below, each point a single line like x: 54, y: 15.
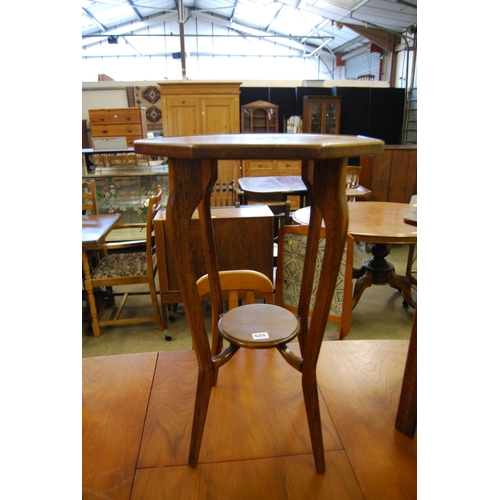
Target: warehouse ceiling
x: 316, y: 27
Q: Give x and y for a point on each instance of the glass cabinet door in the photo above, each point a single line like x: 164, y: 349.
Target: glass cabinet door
x: 316, y: 118
x: 330, y: 118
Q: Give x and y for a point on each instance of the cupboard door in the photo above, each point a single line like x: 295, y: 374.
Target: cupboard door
x: 219, y: 115
x: 181, y: 116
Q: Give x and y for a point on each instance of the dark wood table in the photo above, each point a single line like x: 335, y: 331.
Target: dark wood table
x: 382, y: 223
x: 95, y: 228
x: 285, y: 185
x: 193, y: 173
x: 137, y: 409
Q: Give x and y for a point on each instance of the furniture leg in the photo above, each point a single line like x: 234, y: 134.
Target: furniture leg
x: 361, y: 285
x: 406, y: 419
x: 402, y: 283
x: 310, y: 390
x: 96, y: 330
x: 203, y: 390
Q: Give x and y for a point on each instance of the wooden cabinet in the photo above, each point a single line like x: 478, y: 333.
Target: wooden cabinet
x: 259, y: 117
x: 237, y: 232
x: 193, y: 108
x: 120, y: 122
x: 321, y: 115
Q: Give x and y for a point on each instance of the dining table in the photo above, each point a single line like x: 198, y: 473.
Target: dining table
x: 95, y: 228
x: 381, y: 223
x: 285, y: 185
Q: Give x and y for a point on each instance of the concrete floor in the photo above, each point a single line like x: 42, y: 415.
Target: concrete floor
x: 378, y: 315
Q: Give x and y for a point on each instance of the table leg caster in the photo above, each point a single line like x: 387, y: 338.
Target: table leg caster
x: 168, y: 337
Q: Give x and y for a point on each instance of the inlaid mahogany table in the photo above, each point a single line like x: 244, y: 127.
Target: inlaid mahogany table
x: 382, y: 223
x: 193, y: 173
x: 95, y: 228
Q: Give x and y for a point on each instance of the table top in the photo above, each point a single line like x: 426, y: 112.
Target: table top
x: 273, y: 184
x: 373, y: 221
x: 260, y: 146
x: 142, y: 451
x: 95, y: 228
x: 241, y: 212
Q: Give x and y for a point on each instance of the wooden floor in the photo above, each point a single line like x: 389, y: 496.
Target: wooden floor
x: 138, y: 408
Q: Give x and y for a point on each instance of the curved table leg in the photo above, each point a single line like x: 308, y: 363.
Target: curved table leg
x: 379, y: 271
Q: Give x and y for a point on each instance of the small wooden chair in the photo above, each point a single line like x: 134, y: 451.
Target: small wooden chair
x: 225, y: 190
x: 89, y: 198
x: 353, y: 189
x: 129, y: 268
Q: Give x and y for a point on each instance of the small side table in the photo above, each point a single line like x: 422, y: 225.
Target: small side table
x: 193, y: 173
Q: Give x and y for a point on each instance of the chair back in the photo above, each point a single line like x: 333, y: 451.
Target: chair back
x: 352, y: 177
x: 224, y: 190
x: 241, y: 284
x: 292, y: 242
x: 154, y: 205
x: 89, y: 198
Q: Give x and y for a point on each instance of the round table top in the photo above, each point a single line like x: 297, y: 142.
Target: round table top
x: 373, y: 221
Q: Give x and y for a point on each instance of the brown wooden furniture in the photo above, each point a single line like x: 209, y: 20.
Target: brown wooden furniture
x: 406, y: 418
x: 353, y: 189
x: 120, y: 122
x: 391, y: 176
x: 383, y: 224
x: 290, y: 262
x: 259, y: 117
x: 241, y: 327
x: 238, y: 232
x: 95, y: 228
x: 258, y: 189
x: 130, y: 268
x: 321, y: 115
x: 142, y: 452
x: 273, y: 168
x: 193, y: 172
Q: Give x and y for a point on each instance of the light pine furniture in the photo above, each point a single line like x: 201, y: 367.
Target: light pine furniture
x: 119, y: 122
x: 193, y: 172
x: 142, y: 453
x: 321, y: 115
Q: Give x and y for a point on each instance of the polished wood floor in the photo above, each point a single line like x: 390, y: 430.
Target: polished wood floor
x: 138, y: 408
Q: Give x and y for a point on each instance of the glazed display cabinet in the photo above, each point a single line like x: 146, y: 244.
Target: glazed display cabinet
x: 259, y: 117
x: 321, y: 115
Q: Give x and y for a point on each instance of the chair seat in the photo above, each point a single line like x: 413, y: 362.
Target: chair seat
x: 358, y: 192
x: 259, y: 326
x: 122, y: 264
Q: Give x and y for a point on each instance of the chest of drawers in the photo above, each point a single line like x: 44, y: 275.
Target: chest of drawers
x: 120, y: 122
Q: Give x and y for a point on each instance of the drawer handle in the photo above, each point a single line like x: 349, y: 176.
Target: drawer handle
x: 101, y: 118
x: 127, y: 118
x: 104, y: 131
x: 129, y: 130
